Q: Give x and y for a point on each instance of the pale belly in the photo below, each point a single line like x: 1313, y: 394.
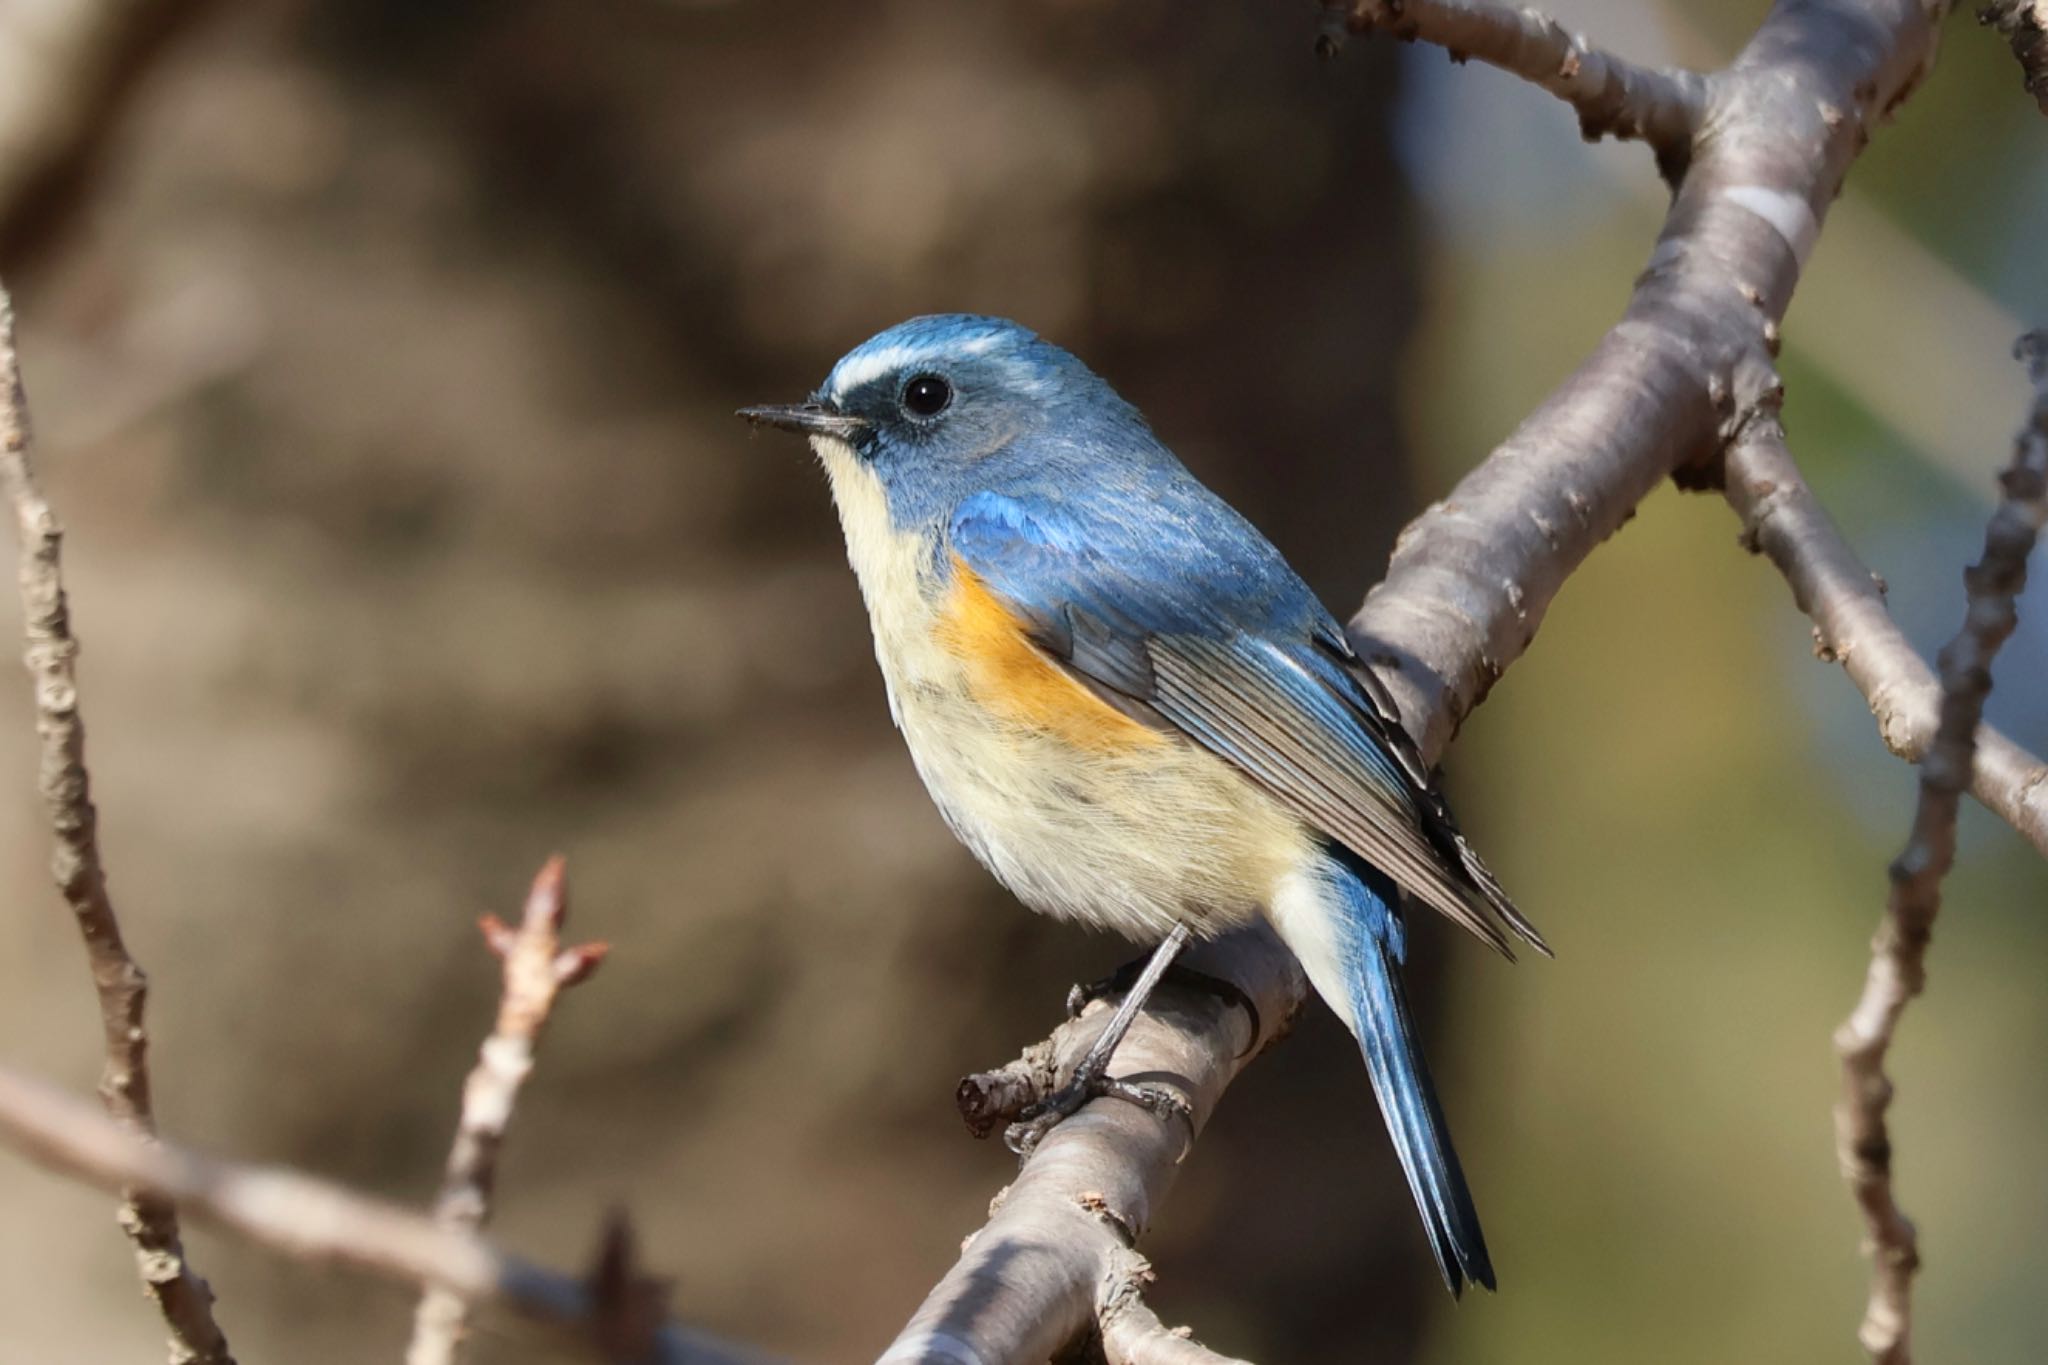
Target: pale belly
x: 1133, y: 842
x: 1088, y: 816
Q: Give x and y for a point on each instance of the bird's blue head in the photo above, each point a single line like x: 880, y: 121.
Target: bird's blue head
x: 941, y: 407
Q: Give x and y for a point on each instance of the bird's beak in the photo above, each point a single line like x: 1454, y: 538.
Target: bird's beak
x: 809, y: 419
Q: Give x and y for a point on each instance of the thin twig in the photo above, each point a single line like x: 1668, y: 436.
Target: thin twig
x: 1783, y: 519
x: 151, y: 1223
x: 2024, y: 24
x: 1613, y: 97
x: 535, y: 968
x: 1898, y: 953
x: 606, y: 1312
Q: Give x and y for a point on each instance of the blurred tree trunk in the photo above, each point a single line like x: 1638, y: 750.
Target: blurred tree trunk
x: 403, y: 340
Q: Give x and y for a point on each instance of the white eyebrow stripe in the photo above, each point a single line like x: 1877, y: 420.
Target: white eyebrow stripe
x: 860, y: 370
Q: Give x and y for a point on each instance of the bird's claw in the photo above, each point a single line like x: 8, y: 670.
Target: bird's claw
x: 1163, y: 1104
x: 1044, y: 1115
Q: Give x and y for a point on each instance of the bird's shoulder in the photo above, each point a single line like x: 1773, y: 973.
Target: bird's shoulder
x: 1144, y: 543
x: 1109, y: 581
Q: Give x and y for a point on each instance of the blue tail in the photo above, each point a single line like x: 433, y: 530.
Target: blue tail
x: 1363, y: 933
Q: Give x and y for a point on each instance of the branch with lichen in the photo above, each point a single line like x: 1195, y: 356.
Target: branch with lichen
x: 534, y: 969
x: 150, y: 1221
x: 1898, y: 954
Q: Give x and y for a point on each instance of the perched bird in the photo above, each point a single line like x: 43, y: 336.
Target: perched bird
x: 1127, y: 704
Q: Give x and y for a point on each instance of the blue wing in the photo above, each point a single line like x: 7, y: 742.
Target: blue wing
x: 1170, y: 605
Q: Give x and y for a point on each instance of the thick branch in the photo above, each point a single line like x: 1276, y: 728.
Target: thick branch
x: 2024, y: 23
x: 1467, y: 587
x: 1898, y: 954
x: 1470, y: 580
x: 1030, y: 1281
x: 1783, y: 519
x: 1612, y: 96
x: 150, y: 1222
x: 312, y: 1220
x: 535, y: 968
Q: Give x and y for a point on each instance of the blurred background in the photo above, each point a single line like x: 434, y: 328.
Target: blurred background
x: 383, y: 356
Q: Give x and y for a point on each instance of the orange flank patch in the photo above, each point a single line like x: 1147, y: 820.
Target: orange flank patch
x: 1013, y: 677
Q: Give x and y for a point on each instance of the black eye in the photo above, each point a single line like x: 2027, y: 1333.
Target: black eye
x: 926, y: 395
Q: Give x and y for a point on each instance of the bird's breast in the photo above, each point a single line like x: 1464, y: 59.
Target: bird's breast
x: 1078, y: 808
x: 1019, y: 686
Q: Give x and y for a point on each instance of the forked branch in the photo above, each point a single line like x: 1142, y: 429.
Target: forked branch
x: 534, y: 969
x: 1035, y: 1277
x: 1470, y: 579
x: 1782, y: 519
x: 1681, y: 375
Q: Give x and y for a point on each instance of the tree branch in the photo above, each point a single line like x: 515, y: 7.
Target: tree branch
x: 1782, y: 519
x: 2024, y: 24
x: 1612, y: 96
x: 1470, y: 579
x: 1132, y: 1333
x: 606, y: 1313
x: 535, y: 968
x: 1759, y: 151
x: 151, y: 1222
x: 1898, y: 954
x: 1467, y: 587
x: 1032, y: 1279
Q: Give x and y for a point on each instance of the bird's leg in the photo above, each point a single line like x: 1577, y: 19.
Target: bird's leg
x: 1091, y: 1078
x: 1080, y: 997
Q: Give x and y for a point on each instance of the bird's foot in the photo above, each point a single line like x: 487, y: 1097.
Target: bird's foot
x: 1091, y: 1076
x: 1048, y: 1112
